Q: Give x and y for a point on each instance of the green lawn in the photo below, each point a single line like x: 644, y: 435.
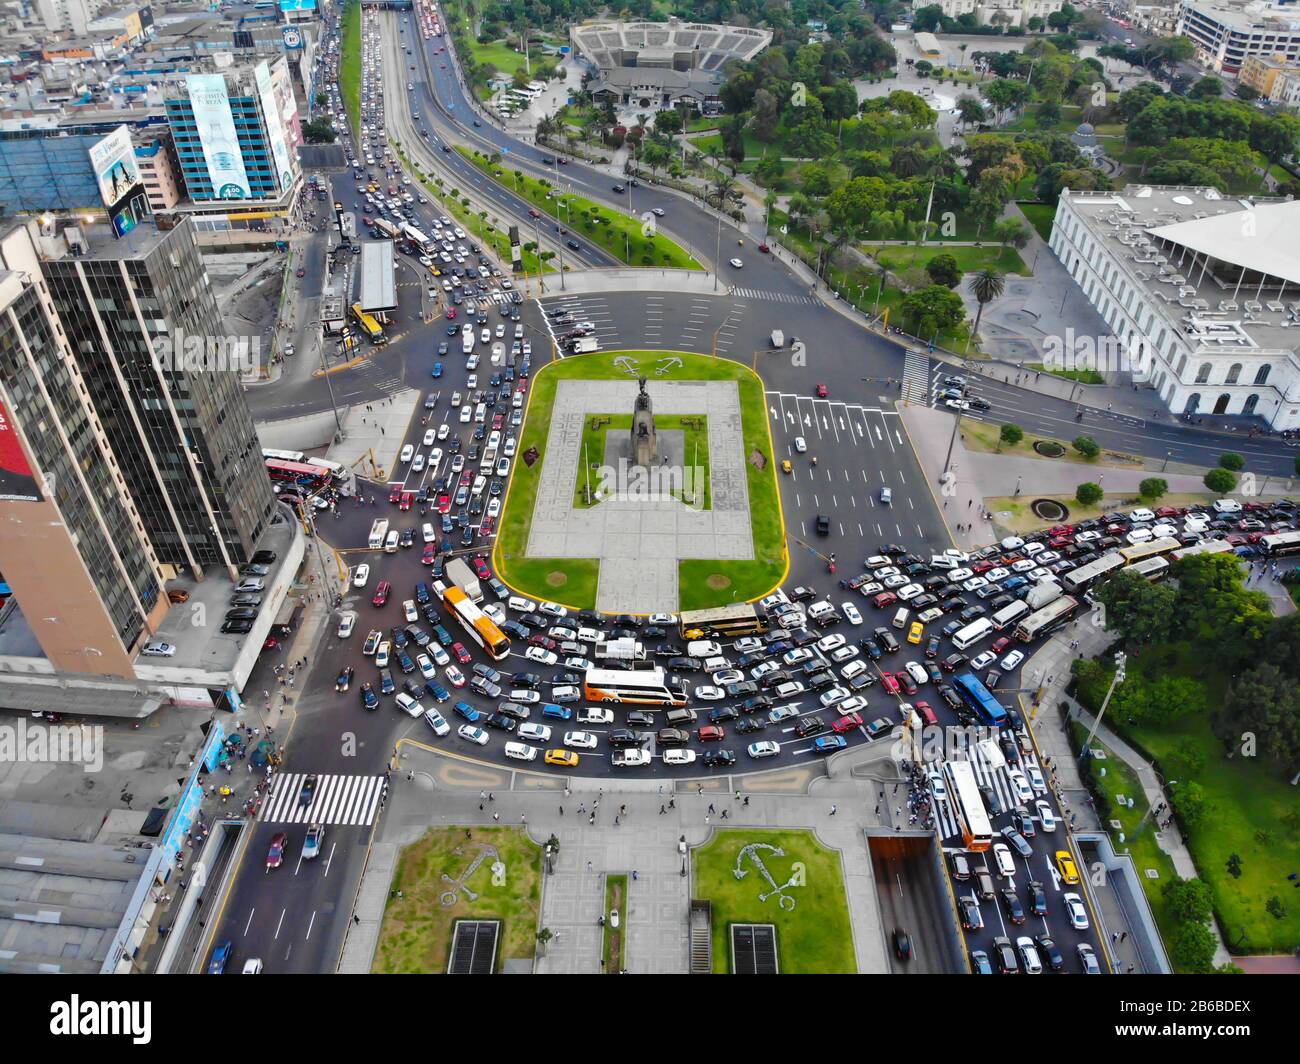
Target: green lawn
x: 1083, y: 376
x: 614, y: 944
x: 695, y: 437
x: 416, y: 932
x: 815, y: 937
x: 614, y: 231
x: 1247, y: 803
x: 350, y: 65
x: 1039, y: 215
x: 969, y: 259
x: 573, y: 582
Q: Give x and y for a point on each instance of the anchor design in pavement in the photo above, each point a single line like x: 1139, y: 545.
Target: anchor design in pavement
x: 671, y: 362
x: 627, y: 365
x: 751, y: 851
x: 459, y: 885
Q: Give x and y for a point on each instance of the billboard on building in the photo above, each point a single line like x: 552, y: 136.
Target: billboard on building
x: 297, y: 5
x: 292, y: 38
x: 113, y: 160
x: 216, y: 127
x: 274, y: 127
x: 283, y: 86
x: 17, y: 481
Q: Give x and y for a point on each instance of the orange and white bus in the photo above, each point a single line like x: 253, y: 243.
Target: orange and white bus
x: 480, y: 627
x: 967, y: 805
x: 642, y: 686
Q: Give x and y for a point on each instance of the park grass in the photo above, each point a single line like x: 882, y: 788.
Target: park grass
x: 1248, y: 803
x: 743, y: 580
x: 815, y: 937
x: 969, y: 259
x: 614, y: 942
x: 614, y: 231
x: 1039, y: 215
x: 350, y: 65
x: 595, y: 442
x: 415, y: 936
x: 1013, y: 513
x: 985, y: 436
x: 1083, y: 376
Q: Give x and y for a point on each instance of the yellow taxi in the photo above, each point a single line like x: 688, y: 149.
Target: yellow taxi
x: 916, y: 633
x: 787, y: 466
x: 563, y: 758
x: 1065, y: 865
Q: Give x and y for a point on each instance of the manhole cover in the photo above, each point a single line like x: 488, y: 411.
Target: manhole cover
x: 1049, y: 509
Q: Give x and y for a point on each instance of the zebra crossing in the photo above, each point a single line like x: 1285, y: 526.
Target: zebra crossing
x: 986, y: 776
x: 345, y: 799
x: 773, y: 297
x: 916, y: 377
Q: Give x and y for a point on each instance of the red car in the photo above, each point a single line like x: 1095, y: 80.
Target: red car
x: 381, y: 593
x: 1169, y: 511
x: 451, y: 313
x: 429, y: 555
x: 533, y: 212
x: 487, y: 527
x: 906, y: 682
x: 275, y: 855
x: 1060, y: 530
x: 926, y: 711
x: 396, y: 494
x: 365, y: 218
x: 821, y: 391
x: 408, y: 497
x: 444, y: 504
x: 847, y: 722
x: 301, y: 272
x: 711, y: 733
x: 764, y: 248
x: 462, y: 655
x: 1057, y: 542
x: 981, y: 566
x: 999, y: 645
x: 543, y: 641
x: 480, y: 568
x: 885, y: 598
x: 890, y: 682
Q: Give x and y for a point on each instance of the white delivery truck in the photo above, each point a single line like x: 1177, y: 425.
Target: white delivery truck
x: 1042, y: 593
x: 463, y: 577
x: 377, y: 533
x: 626, y: 649
x: 584, y: 345
x: 778, y: 338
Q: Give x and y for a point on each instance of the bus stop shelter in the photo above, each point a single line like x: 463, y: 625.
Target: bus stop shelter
x: 378, y: 285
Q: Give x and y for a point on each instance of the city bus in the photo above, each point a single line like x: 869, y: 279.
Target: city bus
x: 425, y: 245
x: 1048, y: 619
x: 368, y: 324
x: 336, y: 469
x: 308, y: 476
x: 283, y: 456
x: 639, y: 686
x: 1280, y: 544
x: 725, y: 622
x: 1153, y: 549
x: 967, y: 805
x: 1082, y: 578
x: 1152, y: 568
x: 989, y: 710
x: 1209, y: 546
x: 387, y: 228
x: 480, y: 627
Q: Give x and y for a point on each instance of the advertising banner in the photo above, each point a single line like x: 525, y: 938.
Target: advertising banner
x: 17, y: 481
x: 113, y: 160
x: 274, y: 128
x: 216, y: 126
x: 283, y: 88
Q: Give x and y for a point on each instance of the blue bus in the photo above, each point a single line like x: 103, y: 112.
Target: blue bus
x: 989, y: 710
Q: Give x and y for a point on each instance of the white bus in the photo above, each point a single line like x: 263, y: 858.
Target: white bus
x: 967, y: 805
x: 1152, y: 568
x: 1209, y: 546
x: 1010, y: 614
x: 641, y: 686
x: 283, y: 456
x: 339, y: 470
x: 1050, y: 617
x: 972, y: 633
x: 1079, y: 580
x: 1280, y: 544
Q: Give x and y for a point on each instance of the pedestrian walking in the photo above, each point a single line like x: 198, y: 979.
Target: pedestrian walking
x: 635, y: 877
x: 745, y: 803
x: 662, y: 810
x: 834, y: 809
x: 523, y: 819
x: 672, y: 803
x: 1123, y: 935
x: 496, y: 817
x: 724, y: 814
x: 480, y: 807
x: 622, y: 810
x: 582, y: 808
x: 491, y: 797
x: 561, y: 810
x: 588, y: 866
x: 706, y: 821
x: 410, y: 776
x: 710, y: 807
x: 616, y: 820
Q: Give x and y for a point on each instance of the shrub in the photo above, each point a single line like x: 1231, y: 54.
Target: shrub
x: 1087, y: 446
x: 1220, y: 481
x: 1153, y: 488
x: 1232, y: 460
x: 1088, y: 494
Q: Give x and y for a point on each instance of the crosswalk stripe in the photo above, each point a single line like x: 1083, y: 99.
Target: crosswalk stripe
x: 339, y: 799
x: 916, y: 376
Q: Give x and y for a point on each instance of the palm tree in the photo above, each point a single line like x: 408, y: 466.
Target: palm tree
x: 985, y: 286
x: 723, y: 183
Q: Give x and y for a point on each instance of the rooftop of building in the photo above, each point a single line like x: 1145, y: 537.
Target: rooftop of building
x: 1201, y: 256
x: 97, y: 241
x: 716, y: 44
x: 1247, y: 16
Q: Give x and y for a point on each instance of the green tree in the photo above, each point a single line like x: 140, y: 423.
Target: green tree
x: 931, y: 309
x: 319, y: 131
x: 1220, y: 481
x: 1010, y: 434
x: 1088, y: 494
x: 1135, y: 607
x: 1190, y: 803
x: 1192, y: 948
x: 1233, y: 461
x: 668, y: 122
x: 943, y: 270
x: 1087, y: 446
x: 1153, y: 488
x: 986, y: 285
x: 1263, y: 702
x: 1206, y: 88
x: 1188, y: 901
x: 1275, y: 908
x: 1233, y: 865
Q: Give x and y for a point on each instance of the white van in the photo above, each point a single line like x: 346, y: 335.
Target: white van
x: 390, y: 542
x: 972, y: 633
x: 1010, y: 614
x: 480, y: 413
x: 1227, y: 506
x: 900, y: 618
x: 702, y: 648
x: 992, y: 753
x: 521, y: 752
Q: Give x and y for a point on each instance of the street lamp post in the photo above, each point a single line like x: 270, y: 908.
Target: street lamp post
x: 1120, y: 660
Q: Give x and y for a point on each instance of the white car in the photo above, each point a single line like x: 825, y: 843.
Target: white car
x: 796, y: 655
x: 427, y: 669
x: 444, y: 431
x: 1012, y: 660
x: 436, y: 721
x: 1075, y: 909
x: 409, y: 611
x: 832, y: 695
x: 800, y: 445
x: 709, y: 693
x: 830, y: 642
x: 851, y: 613
x: 726, y: 676
x: 917, y: 672
x: 1141, y: 514
x: 360, y: 575
x: 1030, y: 961
x: 1140, y: 535
x: 537, y: 732
x: 1024, y: 565
x: 983, y: 660
x: 766, y: 748
x: 679, y: 757
x: 910, y: 592
x: 541, y: 655
x: 440, y: 655
x: 997, y: 573
x: 974, y: 583
x: 159, y: 650
x: 956, y: 576
x: 736, y: 263
x: 1035, y: 776
x: 381, y: 654
x: 580, y: 740
x: 1161, y: 531
x: 781, y: 713
x: 893, y: 580
x: 1032, y: 549
x: 347, y: 623
x: 408, y: 452
x: 595, y: 715
x: 521, y: 752
x: 409, y: 705
x: 1024, y: 793
x: 937, y: 787
x: 427, y: 532
x: 843, y: 654
x: 763, y: 668
x: 472, y: 734
x: 746, y: 644
x: 1012, y: 542
x: 1046, y: 818
x: 524, y: 696
x: 551, y: 609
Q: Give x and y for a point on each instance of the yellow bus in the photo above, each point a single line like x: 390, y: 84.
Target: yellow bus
x: 369, y: 326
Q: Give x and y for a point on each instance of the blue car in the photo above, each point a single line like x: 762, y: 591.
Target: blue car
x: 386, y: 685
x: 421, y: 593
x: 1011, y: 583
x: 464, y: 709
x: 828, y: 744
x: 437, y: 369
x: 437, y: 690
x: 220, y: 955
x: 368, y: 697
x: 447, y: 524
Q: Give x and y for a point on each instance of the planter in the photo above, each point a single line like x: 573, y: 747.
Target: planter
x: 1049, y: 448
x: 1049, y: 509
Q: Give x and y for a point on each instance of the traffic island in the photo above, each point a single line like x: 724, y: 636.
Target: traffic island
x: 460, y: 874
x: 613, y: 957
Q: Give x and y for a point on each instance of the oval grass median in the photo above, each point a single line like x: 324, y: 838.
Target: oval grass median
x: 702, y: 582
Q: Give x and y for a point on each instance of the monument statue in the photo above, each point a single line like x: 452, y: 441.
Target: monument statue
x: 645, y: 443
